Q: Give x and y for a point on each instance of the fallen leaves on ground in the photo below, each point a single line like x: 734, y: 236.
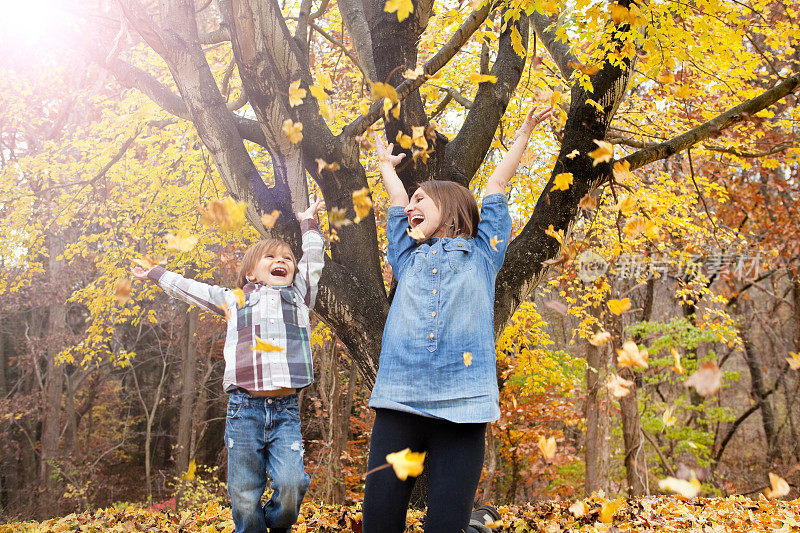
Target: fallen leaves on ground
x: 651, y: 513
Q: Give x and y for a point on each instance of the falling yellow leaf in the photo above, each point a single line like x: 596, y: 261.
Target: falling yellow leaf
x: 122, y: 290
x: 595, y: 104
x: 181, y: 243
x: 383, y: 90
x: 318, y: 92
x: 269, y: 219
x: 145, y: 262
x: 619, y: 14
x: 589, y: 70
x: 334, y: 237
x: 293, y: 130
x: 619, y: 306
x: 618, y: 386
x: 641, y: 226
x: 794, y: 361
x: 263, y: 346
x: 778, y: 487
x: 588, y: 203
x: 630, y: 356
x: 626, y: 204
x: 418, y: 135
x: 189, y: 474
x: 239, y: 295
x: 547, y: 447
x: 600, y: 338
x: 362, y: 203
x: 562, y: 181
x: 476, y: 77
x: 324, y: 165
x: 227, y: 214
x: 467, y: 358
x: 676, y: 358
x: 413, y: 74
x: 666, y: 77
x: 296, y: 94
x: 603, y: 154
x: 573, y: 154
x: 622, y: 170
x: 337, y: 217
x: 607, y: 510
x: 557, y: 235
x: 706, y: 380
x: 687, y: 489
x: 579, y: 509
x: 668, y: 419
x: 494, y: 241
x: 416, y: 234
x: 404, y: 140
x: 406, y: 463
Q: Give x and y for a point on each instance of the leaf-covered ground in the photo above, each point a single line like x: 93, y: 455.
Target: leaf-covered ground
x: 656, y: 513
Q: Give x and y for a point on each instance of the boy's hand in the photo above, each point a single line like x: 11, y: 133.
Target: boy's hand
x: 140, y: 273
x: 385, y: 152
x: 311, y: 211
x: 532, y: 119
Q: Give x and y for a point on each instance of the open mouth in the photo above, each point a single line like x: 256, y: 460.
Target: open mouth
x: 279, y: 271
x: 416, y: 220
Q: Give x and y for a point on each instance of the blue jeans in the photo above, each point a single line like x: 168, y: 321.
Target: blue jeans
x: 263, y: 437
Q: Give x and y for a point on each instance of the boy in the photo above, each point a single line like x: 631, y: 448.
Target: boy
x: 267, y: 360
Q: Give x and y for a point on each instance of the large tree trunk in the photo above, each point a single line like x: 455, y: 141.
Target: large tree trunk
x: 188, y: 390
x: 597, y: 441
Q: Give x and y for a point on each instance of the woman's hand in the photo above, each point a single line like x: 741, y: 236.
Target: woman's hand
x: 532, y: 119
x: 385, y: 152
x: 311, y: 211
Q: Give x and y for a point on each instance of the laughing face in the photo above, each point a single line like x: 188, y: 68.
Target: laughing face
x: 423, y: 213
x: 275, y: 269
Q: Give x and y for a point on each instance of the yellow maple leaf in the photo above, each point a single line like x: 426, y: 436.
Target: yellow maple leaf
x: 404, y: 140
x: 631, y: 356
x: 324, y: 79
x: 516, y: 42
x: 324, y: 165
x: 418, y: 135
x: 778, y: 487
x: 666, y: 77
x: 794, y: 361
x: 687, y: 489
x: 383, y: 90
x: 622, y: 170
x: 263, y: 346
x: 562, y: 181
x: 296, y: 94
x: 588, y: 202
x: 626, y: 204
x: 337, y: 217
x: 594, y: 104
x: 619, y: 14
x: 547, y: 447
x: 676, y: 358
x: 189, y: 474
x: 406, y: 463
x: 600, y: 338
x: 573, y: 154
x: 494, y: 241
x: 362, y: 203
x: 706, y: 380
x: 239, y: 295
x: 416, y: 234
x: 226, y: 213
x: 684, y: 91
x: 603, y: 153
x: 146, y: 262
x: 477, y: 77
x: 557, y: 235
x: 122, y: 290
x: 618, y: 386
x: 579, y: 509
x: 318, y: 92
x: 413, y: 74
x: 181, y: 243
x: 467, y: 358
x: 589, y: 70
x: 293, y: 130
x: 607, y: 510
x: 269, y: 219
x: 619, y: 306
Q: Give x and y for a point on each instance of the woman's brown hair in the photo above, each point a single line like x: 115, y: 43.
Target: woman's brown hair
x: 458, y: 208
x: 254, y: 254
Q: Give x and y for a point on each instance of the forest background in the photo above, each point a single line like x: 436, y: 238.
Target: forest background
x: 648, y: 314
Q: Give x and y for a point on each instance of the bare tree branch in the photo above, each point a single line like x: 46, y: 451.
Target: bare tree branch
x: 339, y: 44
x: 220, y: 35
x: 715, y: 125
x: 560, y: 52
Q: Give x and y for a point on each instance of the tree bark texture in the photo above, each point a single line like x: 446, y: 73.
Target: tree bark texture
x: 597, y: 441
x: 188, y: 390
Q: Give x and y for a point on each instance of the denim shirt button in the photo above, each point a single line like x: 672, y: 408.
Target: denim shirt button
x: 434, y: 271
x: 433, y: 291
x: 434, y: 252
x: 433, y: 313
x: 431, y: 336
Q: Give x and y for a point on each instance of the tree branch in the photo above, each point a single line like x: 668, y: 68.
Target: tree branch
x: 560, y: 52
x: 220, y: 35
x: 434, y: 64
x: 355, y: 21
x: 714, y: 126
x: 339, y: 44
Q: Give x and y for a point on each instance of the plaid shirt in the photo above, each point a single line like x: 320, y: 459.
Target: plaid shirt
x: 277, y: 315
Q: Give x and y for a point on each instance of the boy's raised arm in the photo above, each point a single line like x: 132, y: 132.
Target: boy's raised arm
x: 210, y: 297
x: 309, y: 268
x: 508, y: 165
x: 391, y: 181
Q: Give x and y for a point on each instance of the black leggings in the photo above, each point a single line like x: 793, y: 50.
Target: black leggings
x: 454, y: 461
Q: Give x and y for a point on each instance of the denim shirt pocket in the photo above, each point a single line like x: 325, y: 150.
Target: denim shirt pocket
x: 459, y: 254
x: 416, y: 262
x: 244, y: 314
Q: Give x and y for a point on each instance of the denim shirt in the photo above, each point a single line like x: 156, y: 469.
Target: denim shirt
x: 443, y: 307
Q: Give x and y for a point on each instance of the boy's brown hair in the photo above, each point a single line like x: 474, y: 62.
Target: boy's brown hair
x: 458, y: 207
x: 254, y: 254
